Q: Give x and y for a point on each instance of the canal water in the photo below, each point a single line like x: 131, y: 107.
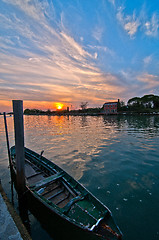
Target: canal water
x: 115, y: 157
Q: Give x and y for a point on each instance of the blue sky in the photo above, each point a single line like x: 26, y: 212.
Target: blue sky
x: 77, y: 50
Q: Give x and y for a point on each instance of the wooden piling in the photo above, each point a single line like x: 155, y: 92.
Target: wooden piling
x: 20, y: 159
x: 19, y: 144
x: 9, y: 157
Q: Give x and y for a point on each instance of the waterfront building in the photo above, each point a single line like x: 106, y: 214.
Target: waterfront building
x: 110, y: 108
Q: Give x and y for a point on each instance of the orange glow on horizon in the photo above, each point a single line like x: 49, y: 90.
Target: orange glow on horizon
x: 6, y: 105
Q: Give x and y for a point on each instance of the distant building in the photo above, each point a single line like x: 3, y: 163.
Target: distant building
x: 110, y: 108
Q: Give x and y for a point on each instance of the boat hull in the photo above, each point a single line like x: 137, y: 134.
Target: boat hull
x: 57, y: 224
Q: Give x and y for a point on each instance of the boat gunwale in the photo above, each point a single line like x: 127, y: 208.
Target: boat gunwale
x: 50, y: 166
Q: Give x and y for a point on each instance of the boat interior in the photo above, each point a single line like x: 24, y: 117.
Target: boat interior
x: 54, y: 187
x: 51, y: 186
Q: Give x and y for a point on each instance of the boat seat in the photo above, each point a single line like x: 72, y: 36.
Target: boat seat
x: 68, y: 206
x: 47, y: 180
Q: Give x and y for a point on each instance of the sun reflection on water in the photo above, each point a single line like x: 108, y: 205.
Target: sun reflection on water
x: 69, y: 141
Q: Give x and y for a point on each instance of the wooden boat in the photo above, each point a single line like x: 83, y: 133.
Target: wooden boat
x: 63, y: 204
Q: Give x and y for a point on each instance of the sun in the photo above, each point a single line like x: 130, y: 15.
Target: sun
x: 59, y: 106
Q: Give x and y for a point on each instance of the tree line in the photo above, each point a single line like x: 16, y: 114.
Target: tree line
x: 147, y: 103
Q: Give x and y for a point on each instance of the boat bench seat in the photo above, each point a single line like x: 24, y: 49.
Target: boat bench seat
x: 68, y: 206
x: 47, y: 180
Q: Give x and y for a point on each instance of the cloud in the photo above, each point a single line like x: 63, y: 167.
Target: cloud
x: 138, y: 83
x: 131, y: 27
x: 98, y: 33
x: 44, y: 62
x: 30, y: 8
x: 95, y: 55
x: 81, y: 38
x: 147, y: 60
x: 152, y: 26
x: 41, y: 60
x: 112, y: 2
x: 150, y: 81
x: 130, y: 23
x: 75, y: 46
x: 101, y: 50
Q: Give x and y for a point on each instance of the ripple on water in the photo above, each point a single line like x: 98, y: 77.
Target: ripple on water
x: 116, y: 157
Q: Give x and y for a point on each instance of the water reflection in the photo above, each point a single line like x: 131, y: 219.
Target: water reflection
x: 116, y: 157
x: 84, y: 122
x: 147, y: 125
x: 72, y: 142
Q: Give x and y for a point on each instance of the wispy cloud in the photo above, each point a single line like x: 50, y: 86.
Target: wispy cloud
x: 41, y: 62
x: 130, y: 23
x: 102, y: 49
x: 112, y: 2
x: 97, y: 33
x: 147, y: 60
x: 30, y: 8
x: 150, y: 81
x: 152, y: 26
x: 133, y: 23
x: 139, y: 84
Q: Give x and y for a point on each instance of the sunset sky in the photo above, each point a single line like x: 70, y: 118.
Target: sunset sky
x: 71, y: 51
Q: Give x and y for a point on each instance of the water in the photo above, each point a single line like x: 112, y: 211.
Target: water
x: 115, y: 157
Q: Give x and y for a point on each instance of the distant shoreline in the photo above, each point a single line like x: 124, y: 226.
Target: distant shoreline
x: 94, y: 114
x: 89, y: 113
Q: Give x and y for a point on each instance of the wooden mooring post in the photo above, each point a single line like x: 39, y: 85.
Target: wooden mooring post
x: 9, y: 157
x: 20, y: 159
